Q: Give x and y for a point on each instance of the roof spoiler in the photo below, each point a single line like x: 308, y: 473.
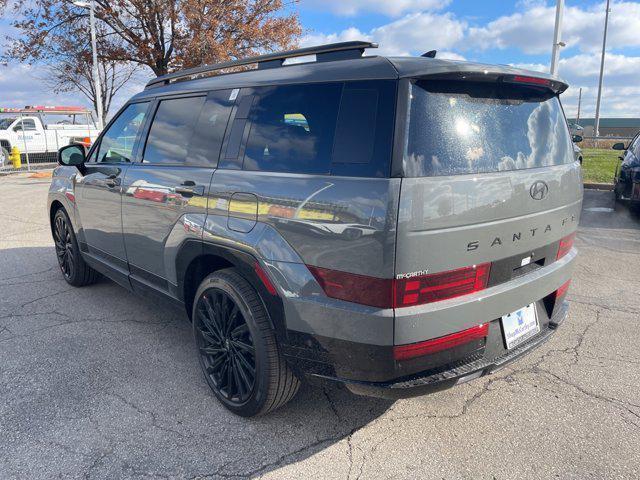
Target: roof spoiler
x: 525, y: 78
x: 323, y: 53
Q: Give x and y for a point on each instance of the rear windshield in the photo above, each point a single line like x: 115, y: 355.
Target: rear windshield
x: 461, y: 128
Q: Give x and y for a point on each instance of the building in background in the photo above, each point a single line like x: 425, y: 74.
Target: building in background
x: 610, y: 127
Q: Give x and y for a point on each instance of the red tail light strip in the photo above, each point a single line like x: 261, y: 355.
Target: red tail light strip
x: 441, y: 286
x: 533, y: 80
x: 390, y: 293
x: 264, y: 278
x: 413, y: 350
x: 377, y: 292
x: 566, y: 244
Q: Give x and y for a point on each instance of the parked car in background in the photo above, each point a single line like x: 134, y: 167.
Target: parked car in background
x: 627, y: 177
x: 394, y: 225
x: 26, y: 129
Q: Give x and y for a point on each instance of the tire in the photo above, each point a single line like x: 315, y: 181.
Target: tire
x: 73, y: 267
x: 231, y: 346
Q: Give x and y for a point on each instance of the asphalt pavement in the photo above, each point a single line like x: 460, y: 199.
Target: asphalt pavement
x: 99, y: 383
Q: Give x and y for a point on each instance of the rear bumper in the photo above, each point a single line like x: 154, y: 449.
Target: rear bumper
x: 475, y: 366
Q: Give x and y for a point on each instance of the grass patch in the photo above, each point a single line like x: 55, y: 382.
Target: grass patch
x: 599, y: 165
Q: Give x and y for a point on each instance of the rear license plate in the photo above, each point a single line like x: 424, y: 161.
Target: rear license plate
x: 520, y: 326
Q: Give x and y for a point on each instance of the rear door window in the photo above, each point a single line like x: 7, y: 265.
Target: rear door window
x: 465, y: 128
x: 172, y: 129
x: 292, y: 128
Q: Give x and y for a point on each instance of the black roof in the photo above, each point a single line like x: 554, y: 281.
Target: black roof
x: 334, y: 63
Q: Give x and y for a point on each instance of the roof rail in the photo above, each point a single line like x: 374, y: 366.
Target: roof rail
x: 324, y: 53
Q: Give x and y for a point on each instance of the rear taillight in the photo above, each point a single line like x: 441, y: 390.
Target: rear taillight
x: 413, y: 350
x: 388, y: 293
x: 441, y: 286
x: 566, y: 244
x: 562, y: 291
x: 377, y: 292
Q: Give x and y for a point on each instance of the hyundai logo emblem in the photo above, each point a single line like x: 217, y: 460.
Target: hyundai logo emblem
x: 539, y: 190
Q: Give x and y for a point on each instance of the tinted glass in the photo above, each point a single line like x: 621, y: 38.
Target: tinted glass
x: 209, y: 131
x: 27, y: 124
x: 172, y: 129
x: 6, y: 122
x: 364, y: 134
x: 460, y: 127
x: 116, y: 144
x: 292, y: 128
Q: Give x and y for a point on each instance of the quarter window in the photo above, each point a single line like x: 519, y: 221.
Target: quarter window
x: 116, y: 145
x: 172, y: 130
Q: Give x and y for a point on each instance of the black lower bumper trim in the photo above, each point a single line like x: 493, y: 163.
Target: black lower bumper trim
x: 431, y: 382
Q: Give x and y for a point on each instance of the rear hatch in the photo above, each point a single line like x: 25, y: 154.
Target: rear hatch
x: 489, y: 178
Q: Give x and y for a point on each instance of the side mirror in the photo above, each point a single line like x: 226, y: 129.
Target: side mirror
x: 577, y: 138
x: 17, y: 128
x: 619, y: 146
x: 73, y: 155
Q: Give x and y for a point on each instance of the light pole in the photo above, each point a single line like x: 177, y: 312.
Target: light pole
x: 557, y: 43
x: 94, y: 48
x: 596, y: 130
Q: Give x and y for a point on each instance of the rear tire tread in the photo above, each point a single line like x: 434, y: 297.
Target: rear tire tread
x: 84, y: 274
x: 282, y: 383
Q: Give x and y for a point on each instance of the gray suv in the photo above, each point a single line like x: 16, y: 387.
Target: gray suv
x: 393, y: 225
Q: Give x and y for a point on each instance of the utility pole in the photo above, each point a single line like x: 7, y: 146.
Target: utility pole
x: 557, y: 43
x: 579, y: 103
x: 596, y: 130
x: 94, y: 47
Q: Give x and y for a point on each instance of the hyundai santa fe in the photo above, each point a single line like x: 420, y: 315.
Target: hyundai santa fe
x: 393, y: 225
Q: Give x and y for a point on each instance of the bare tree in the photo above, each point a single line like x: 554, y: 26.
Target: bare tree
x: 75, y: 74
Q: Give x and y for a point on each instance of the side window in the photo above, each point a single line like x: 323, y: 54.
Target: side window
x: 172, y: 130
x: 209, y: 130
x: 116, y: 144
x: 292, y: 128
x: 26, y: 124
x: 364, y: 134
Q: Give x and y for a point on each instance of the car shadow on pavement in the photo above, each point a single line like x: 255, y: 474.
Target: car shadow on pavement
x: 600, y: 210
x: 99, y: 382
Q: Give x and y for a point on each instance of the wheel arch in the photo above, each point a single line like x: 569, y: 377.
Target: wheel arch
x: 53, y: 208
x: 196, y: 260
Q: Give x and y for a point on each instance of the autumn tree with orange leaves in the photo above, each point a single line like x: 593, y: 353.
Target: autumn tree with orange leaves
x: 164, y: 35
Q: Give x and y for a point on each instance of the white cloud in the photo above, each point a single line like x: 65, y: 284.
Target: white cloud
x: 532, y: 29
x: 620, y: 91
x: 392, y: 8
x: 416, y: 32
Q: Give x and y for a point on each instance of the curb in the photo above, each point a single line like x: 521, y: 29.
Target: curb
x: 599, y: 186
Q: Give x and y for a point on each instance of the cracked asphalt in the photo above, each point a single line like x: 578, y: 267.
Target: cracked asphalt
x: 98, y: 383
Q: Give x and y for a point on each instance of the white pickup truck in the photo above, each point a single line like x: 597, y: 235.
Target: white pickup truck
x: 26, y: 129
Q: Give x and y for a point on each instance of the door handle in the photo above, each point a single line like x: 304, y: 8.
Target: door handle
x: 112, y: 181
x: 189, y: 189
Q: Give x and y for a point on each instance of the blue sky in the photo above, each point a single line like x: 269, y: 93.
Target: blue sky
x: 492, y: 31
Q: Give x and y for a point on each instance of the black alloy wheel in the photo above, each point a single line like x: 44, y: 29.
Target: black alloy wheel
x: 64, y: 244
x: 75, y: 270
x: 226, y: 346
x: 237, y: 346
